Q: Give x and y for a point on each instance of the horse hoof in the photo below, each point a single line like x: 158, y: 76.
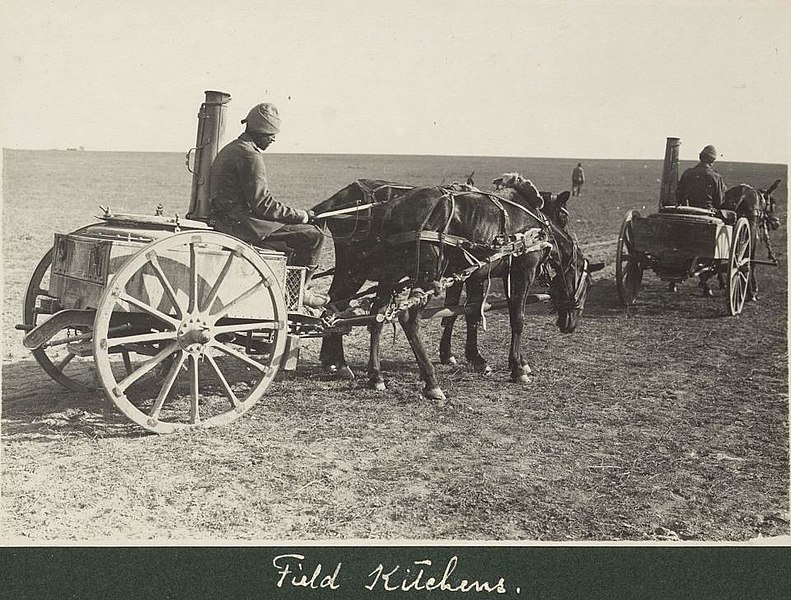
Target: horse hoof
x: 379, y: 386
x: 672, y: 287
x: 434, y: 393
x: 707, y: 293
x: 450, y: 360
x: 752, y: 298
x: 524, y: 378
x: 482, y: 368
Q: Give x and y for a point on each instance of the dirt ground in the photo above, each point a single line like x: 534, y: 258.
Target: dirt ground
x: 666, y: 422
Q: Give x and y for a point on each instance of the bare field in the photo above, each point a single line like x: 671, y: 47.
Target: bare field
x: 666, y: 423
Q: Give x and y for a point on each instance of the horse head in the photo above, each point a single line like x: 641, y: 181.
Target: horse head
x: 555, y: 208
x: 768, y: 206
x: 568, y: 287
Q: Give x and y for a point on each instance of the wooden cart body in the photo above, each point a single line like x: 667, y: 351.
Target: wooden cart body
x: 669, y: 236
x: 181, y: 326
x: 679, y: 242
x: 83, y: 263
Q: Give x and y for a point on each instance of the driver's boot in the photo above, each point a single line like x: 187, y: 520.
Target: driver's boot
x: 311, y: 298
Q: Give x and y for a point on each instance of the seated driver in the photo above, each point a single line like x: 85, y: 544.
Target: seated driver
x: 242, y: 205
x: 701, y: 185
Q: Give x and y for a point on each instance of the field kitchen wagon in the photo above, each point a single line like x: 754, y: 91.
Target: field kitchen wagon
x: 180, y: 325
x: 678, y: 242
x: 133, y: 301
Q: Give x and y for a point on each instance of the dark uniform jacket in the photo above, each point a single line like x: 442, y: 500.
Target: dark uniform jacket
x: 578, y: 175
x: 701, y: 186
x: 241, y: 203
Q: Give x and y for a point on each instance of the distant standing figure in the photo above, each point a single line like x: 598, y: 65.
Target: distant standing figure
x: 577, y: 179
x: 701, y: 185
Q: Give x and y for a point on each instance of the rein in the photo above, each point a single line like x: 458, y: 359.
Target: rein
x: 353, y: 211
x: 509, y: 245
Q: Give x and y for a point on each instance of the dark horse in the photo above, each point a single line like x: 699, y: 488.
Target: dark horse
x: 552, y: 206
x: 758, y: 207
x: 382, y: 245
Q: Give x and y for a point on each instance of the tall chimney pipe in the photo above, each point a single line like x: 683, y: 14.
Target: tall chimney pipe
x: 667, y: 193
x: 211, y: 126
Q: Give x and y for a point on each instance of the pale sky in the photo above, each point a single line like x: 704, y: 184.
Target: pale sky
x: 466, y: 77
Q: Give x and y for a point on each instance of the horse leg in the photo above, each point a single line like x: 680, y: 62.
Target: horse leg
x: 410, y: 322
x: 375, y: 379
x: 521, y: 278
x: 345, y: 282
x: 473, y: 319
x: 452, y: 298
x: 703, y: 283
x: 752, y: 283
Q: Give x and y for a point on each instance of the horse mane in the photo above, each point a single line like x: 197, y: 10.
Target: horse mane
x: 524, y: 187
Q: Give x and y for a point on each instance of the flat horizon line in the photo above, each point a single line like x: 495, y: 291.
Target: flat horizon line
x: 487, y: 156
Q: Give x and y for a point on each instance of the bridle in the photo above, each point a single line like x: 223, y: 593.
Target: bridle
x: 767, y: 222
x: 575, y: 297
x: 767, y: 217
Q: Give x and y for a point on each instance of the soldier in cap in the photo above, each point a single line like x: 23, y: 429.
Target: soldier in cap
x: 701, y: 185
x: 243, y: 206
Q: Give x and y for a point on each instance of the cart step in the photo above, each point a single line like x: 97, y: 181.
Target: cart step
x: 41, y: 334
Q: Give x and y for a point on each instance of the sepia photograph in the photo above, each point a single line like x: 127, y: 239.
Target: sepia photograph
x: 441, y: 272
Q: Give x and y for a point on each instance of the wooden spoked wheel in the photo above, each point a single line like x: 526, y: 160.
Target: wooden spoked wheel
x: 203, y: 318
x: 67, y: 357
x: 628, y: 271
x: 739, y: 266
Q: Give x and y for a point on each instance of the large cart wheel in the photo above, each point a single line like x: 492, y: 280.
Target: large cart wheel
x: 207, y: 316
x: 628, y: 270
x: 739, y: 266
x: 67, y: 357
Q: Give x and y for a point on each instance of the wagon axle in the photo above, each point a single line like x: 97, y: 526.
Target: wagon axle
x: 193, y: 335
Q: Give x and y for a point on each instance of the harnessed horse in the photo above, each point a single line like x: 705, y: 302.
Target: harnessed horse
x: 420, y: 235
x: 758, y: 207
x: 553, y: 206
